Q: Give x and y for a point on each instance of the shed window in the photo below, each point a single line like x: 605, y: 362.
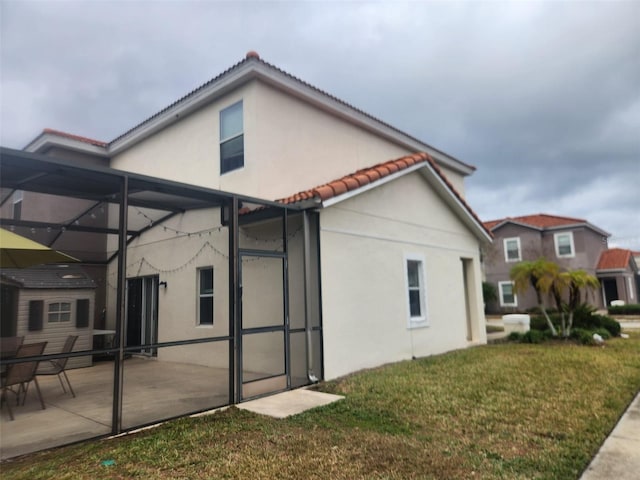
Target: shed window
x: 231, y: 138
x: 59, y: 312
x: 205, y: 296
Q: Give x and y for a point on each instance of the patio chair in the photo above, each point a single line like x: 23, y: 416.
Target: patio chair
x: 58, y: 366
x: 20, y: 375
x: 9, y: 346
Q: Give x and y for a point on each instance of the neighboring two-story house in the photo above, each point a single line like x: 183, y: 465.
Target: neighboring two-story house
x: 572, y: 243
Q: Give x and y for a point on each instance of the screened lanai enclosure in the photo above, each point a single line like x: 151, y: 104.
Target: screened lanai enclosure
x: 183, y: 299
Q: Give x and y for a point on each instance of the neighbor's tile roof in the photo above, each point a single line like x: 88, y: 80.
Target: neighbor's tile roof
x: 366, y: 176
x: 614, y: 259
x: 90, y: 141
x: 539, y: 220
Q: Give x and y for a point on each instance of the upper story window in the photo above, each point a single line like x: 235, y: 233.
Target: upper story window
x: 231, y: 138
x: 564, y: 244
x: 416, y: 291
x: 17, y: 204
x: 205, y: 296
x: 512, y: 252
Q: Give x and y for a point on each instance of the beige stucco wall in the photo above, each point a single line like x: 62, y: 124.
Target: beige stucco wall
x: 290, y: 146
x: 365, y: 310
x: 176, y: 256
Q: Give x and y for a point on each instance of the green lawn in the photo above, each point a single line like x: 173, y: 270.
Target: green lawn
x: 500, y: 411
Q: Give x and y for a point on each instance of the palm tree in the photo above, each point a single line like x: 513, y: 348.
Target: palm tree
x: 539, y: 275
x: 577, y: 280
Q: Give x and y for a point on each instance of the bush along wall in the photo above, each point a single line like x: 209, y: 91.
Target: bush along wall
x: 584, y: 320
x: 631, y: 309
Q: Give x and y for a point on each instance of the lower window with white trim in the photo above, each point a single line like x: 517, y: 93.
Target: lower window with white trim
x: 416, y: 291
x: 508, y: 297
x: 205, y: 296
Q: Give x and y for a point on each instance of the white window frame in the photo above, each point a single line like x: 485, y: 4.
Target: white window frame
x: 234, y: 136
x: 630, y: 287
x: 501, y: 292
x: 506, y: 253
x: 57, y: 314
x: 557, y: 246
x: 200, y: 295
x: 421, y: 320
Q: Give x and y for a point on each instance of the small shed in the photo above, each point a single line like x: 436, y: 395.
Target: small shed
x: 47, y: 304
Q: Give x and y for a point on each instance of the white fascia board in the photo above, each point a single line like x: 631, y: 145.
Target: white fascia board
x: 433, y: 179
x: 370, y: 186
x: 606, y: 271
x: 49, y: 140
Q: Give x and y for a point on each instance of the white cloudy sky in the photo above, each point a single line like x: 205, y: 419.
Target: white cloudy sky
x: 542, y: 97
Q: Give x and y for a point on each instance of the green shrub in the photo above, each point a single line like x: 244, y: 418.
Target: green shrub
x: 538, y: 311
x: 533, y: 336
x: 585, y: 318
x: 539, y: 323
x: 631, y: 309
x: 583, y: 336
x: 514, y: 337
x: 610, y: 324
x: 583, y: 313
x: 604, y: 333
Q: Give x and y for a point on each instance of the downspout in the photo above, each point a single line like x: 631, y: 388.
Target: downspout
x: 307, y: 295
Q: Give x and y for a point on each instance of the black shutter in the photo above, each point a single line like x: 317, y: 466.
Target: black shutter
x: 36, y: 310
x: 82, y: 313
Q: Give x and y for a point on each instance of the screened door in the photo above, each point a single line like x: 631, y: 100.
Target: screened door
x: 264, y: 343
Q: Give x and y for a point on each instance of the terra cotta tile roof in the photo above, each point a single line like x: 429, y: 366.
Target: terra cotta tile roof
x: 366, y: 176
x: 90, y: 141
x: 539, y: 220
x: 614, y: 259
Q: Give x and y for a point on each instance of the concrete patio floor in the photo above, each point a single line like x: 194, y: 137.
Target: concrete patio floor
x: 153, y: 391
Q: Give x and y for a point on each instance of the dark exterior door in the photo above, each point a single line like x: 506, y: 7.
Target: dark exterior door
x: 142, y: 313
x: 610, y: 287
